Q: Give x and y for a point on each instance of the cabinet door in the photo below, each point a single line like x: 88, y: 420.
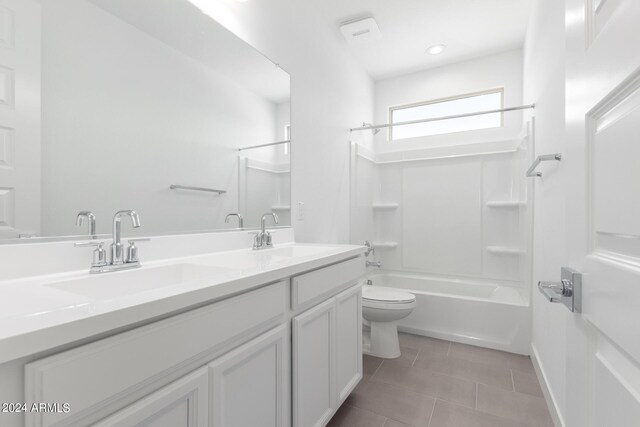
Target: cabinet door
x: 182, y: 403
x: 313, y: 365
x: 249, y: 386
x: 348, y: 341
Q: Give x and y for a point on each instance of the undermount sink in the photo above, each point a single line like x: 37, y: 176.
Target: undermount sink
x: 198, y: 270
x: 262, y: 258
x: 128, y: 282
x: 298, y: 250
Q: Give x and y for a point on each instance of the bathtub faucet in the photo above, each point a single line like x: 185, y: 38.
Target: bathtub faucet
x: 370, y: 248
x: 376, y: 264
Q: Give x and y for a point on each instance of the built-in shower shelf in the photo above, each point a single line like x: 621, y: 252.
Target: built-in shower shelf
x: 504, y: 250
x: 385, y: 206
x: 384, y: 245
x: 281, y: 208
x: 505, y: 204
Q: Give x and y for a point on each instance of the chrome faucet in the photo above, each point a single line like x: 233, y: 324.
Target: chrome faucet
x: 240, y: 219
x: 117, y: 260
x: 90, y: 218
x: 117, y: 251
x: 370, y: 248
x: 263, y: 238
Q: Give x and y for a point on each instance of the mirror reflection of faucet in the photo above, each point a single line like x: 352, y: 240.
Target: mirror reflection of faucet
x: 117, y: 260
x: 240, y: 219
x: 90, y: 219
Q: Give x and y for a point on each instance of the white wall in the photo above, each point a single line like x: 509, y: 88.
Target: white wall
x: 113, y: 95
x: 544, y: 85
x: 330, y: 93
x: 503, y: 70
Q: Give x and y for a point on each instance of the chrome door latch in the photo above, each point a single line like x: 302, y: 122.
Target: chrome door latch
x: 568, y: 291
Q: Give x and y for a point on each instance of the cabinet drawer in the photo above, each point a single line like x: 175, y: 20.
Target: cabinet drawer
x: 97, y: 374
x: 307, y: 287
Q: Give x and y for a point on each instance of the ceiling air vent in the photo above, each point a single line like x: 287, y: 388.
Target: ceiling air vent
x: 360, y: 31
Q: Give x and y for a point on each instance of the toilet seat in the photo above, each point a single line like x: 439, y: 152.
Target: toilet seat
x: 386, y: 298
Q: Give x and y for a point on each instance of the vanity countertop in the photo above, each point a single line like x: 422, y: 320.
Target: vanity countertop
x: 43, y: 312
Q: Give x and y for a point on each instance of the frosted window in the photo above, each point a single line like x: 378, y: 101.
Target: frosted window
x: 465, y: 104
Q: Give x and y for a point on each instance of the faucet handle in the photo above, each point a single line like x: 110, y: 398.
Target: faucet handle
x: 99, y: 255
x: 132, y: 250
x: 370, y: 248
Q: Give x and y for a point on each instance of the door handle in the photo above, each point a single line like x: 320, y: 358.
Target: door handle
x: 568, y: 291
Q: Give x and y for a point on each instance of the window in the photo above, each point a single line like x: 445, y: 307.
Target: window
x: 471, y: 103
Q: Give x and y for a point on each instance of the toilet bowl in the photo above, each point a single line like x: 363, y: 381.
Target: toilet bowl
x: 382, y: 307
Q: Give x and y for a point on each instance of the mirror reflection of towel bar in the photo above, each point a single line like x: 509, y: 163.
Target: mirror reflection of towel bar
x: 187, y: 187
x: 544, y: 158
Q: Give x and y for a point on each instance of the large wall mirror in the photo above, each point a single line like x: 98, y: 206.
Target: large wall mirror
x: 148, y: 105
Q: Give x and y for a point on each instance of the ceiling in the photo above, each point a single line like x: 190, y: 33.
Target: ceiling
x: 469, y: 28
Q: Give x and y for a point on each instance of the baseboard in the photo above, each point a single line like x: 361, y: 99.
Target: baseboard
x: 556, y: 417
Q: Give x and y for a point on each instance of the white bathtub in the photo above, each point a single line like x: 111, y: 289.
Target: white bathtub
x: 488, y: 315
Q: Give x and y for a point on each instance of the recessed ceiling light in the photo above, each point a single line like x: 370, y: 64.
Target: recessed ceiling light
x: 436, y: 49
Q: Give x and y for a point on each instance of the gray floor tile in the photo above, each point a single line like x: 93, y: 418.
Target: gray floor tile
x: 407, y: 357
x: 424, y: 344
x: 524, y: 408
x: 369, y: 365
x: 525, y: 382
x: 397, y: 403
x: 487, y: 355
x: 394, y: 423
x: 430, y: 383
x: 491, y: 374
x: 350, y: 416
x: 447, y: 414
x: 449, y: 385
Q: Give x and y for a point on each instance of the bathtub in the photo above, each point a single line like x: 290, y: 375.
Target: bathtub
x: 484, y: 314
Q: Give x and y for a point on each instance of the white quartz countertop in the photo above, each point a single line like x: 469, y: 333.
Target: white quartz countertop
x: 43, y: 312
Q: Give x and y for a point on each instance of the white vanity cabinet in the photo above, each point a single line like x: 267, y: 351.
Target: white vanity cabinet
x: 314, y: 340
x: 231, y: 363
x: 249, y: 385
x: 183, y: 403
x: 327, y: 341
x: 348, y: 341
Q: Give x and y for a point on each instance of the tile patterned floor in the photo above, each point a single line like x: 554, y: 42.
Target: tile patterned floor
x: 438, y: 383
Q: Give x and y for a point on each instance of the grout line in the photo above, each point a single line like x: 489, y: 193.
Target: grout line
x: 415, y: 358
x: 376, y: 371
x: 476, y: 395
x: 433, y: 409
x: 513, y: 383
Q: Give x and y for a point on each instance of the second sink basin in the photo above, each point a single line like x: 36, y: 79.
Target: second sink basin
x: 127, y: 282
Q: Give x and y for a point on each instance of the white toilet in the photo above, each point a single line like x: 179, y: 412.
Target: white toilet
x: 383, y: 307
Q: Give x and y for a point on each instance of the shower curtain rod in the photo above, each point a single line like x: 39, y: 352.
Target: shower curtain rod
x: 435, y: 119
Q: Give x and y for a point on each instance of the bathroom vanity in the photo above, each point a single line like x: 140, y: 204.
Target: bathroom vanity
x: 226, y: 338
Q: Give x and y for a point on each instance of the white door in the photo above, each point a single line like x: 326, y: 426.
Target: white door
x: 19, y: 117
x: 603, y: 208
x: 313, y: 365
x: 182, y: 403
x: 249, y: 384
x: 348, y: 341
